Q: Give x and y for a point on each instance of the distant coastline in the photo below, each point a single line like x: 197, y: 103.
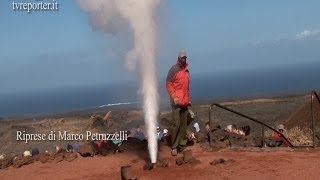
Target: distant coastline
x: 204, y: 88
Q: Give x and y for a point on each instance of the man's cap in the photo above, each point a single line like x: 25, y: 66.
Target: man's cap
x: 165, y: 131
x: 281, y: 127
x: 27, y: 153
x: 182, y: 54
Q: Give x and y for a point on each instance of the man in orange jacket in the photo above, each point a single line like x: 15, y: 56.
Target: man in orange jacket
x: 177, y: 83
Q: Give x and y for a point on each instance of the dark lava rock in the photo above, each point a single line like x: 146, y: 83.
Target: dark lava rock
x: 187, y: 156
x: 272, y: 142
x: 127, y: 174
x: 179, y: 161
x: 162, y: 162
x: 221, y: 161
x: 44, y: 158
x: 134, y: 144
x: 87, y: 150
x: 249, y: 142
x: 167, y: 140
x: 200, y: 137
x: 242, y: 141
x: 96, y: 121
x: 6, y: 162
x: 70, y: 156
x: 61, y: 150
x: 231, y: 161
x: 187, y: 159
x: 148, y: 166
x: 58, y: 157
x: 218, y: 138
x: 21, y: 161
x: 236, y: 140
x: 217, y: 161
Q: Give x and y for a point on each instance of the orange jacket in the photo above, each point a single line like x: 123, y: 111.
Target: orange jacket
x: 177, y: 83
x: 279, y: 137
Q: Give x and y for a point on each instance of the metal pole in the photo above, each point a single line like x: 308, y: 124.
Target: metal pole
x: 263, y: 140
x: 210, y: 108
x: 210, y: 124
x: 313, y: 125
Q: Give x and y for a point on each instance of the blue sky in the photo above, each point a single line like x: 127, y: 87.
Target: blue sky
x: 45, y: 50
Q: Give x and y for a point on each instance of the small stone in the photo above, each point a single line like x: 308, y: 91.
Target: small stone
x: 58, y: 157
x: 126, y: 173
x: 231, y: 161
x: 179, y: 161
x: 21, y: 161
x: 70, y: 156
x: 162, y: 163
x: 149, y: 166
x: 6, y: 162
x: 217, y: 161
x: 187, y: 156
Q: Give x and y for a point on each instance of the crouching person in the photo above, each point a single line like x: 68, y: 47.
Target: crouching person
x: 280, y: 141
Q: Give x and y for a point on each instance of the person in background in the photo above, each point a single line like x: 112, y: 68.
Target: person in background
x: 76, y: 147
x: 117, y: 141
x: 58, y: 149
x: 35, y: 151
x: 165, y: 132
x: 69, y: 148
x: 159, y: 133
x: 139, y: 134
x: 280, y: 141
x: 166, y: 137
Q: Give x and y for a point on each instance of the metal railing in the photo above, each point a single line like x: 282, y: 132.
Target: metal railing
x: 250, y: 118
x: 313, y: 94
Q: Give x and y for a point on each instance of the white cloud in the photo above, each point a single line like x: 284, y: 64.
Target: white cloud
x: 308, y: 34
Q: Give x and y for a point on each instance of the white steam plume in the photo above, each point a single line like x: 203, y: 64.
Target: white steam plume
x: 113, y: 16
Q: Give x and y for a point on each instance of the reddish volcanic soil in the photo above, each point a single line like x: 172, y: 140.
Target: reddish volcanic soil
x: 247, y: 164
x: 281, y: 164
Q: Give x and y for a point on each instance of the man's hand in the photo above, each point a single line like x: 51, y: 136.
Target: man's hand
x: 175, y: 100
x: 192, y: 115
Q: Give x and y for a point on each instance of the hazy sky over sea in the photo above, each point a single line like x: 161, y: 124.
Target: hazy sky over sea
x: 45, y: 50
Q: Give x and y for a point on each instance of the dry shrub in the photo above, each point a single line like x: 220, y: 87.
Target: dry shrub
x: 297, y: 136
x: 317, y: 132
x: 268, y: 133
x: 300, y: 136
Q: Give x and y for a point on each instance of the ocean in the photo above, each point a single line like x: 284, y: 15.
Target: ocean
x: 204, y: 87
